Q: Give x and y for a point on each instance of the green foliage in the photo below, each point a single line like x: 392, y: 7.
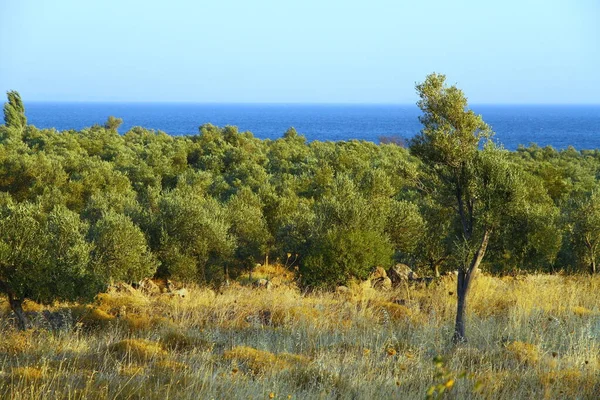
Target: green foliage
x: 248, y: 228
x: 121, y: 252
x: 434, y: 246
x: 405, y: 226
x: 347, y: 239
x: 478, y: 183
x: 445, y: 380
x: 195, y: 235
x: 339, y: 255
x: 482, y: 185
x: 586, y: 231
x: 14, y: 111
x: 113, y: 123
x: 195, y: 205
x: 44, y: 255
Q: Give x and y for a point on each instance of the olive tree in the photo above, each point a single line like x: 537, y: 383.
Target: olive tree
x: 43, y: 257
x: 195, y: 235
x: 121, y: 251
x: 113, y: 123
x: 347, y: 238
x: 248, y: 227
x: 586, y: 230
x: 480, y: 184
x: 14, y: 111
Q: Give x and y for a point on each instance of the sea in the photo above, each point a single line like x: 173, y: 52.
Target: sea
x: 558, y: 126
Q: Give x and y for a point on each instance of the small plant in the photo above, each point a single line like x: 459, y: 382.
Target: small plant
x: 445, y: 377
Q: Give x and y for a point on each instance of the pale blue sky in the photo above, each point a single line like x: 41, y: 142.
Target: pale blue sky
x: 510, y: 51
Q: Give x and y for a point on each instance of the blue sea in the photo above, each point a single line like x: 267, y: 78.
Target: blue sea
x: 554, y: 125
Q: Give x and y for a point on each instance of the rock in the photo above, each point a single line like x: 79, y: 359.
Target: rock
x: 122, y: 288
x: 265, y: 317
x: 413, y: 276
x: 147, y: 286
x: 169, y: 286
x: 262, y: 284
x: 425, y: 281
x: 183, y: 293
x: 384, y: 283
x: 377, y: 273
x: 400, y: 273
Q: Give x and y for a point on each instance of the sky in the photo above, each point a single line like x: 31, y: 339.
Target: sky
x: 307, y: 51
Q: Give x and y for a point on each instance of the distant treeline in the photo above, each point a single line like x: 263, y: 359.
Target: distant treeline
x: 207, y: 207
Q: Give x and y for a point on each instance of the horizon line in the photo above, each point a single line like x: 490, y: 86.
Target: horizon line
x: 290, y: 103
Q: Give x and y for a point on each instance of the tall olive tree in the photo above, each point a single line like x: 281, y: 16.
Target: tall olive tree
x: 478, y: 183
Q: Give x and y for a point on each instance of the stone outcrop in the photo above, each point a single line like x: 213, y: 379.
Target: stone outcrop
x: 122, y: 287
x: 147, y: 286
x: 401, y: 273
x: 183, y: 293
x: 382, y: 284
x: 379, y: 279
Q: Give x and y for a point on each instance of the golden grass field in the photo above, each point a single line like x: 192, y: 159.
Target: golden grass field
x: 530, y: 337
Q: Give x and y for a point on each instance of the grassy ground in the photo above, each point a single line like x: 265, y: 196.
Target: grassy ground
x: 530, y: 337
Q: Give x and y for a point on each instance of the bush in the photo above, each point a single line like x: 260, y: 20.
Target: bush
x: 342, y: 255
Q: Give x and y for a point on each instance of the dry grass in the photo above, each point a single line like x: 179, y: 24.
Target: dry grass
x: 137, y: 349
x: 530, y: 337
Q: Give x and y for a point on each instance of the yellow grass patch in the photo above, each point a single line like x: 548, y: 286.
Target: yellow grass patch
x: 174, y: 340
x: 525, y: 353
x: 169, y: 366
x: 295, y: 314
x: 118, y: 302
x: 259, y: 361
x: 16, y: 342
x: 94, y: 317
x: 32, y: 306
x: 27, y: 373
x: 396, y: 312
x: 137, y: 349
x: 131, y: 370
x: 582, y: 311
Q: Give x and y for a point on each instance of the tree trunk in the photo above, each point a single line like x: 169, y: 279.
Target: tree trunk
x: 17, y: 307
x: 462, y: 290
x: 591, y: 253
x: 226, y: 273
